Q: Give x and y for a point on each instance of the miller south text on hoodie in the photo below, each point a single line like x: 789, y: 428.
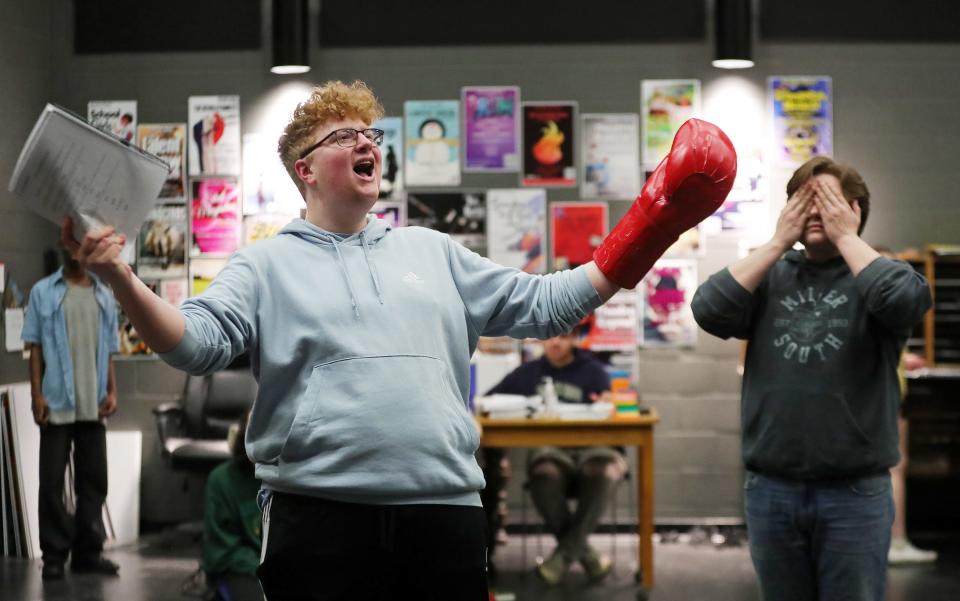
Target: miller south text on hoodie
x: 820, y: 391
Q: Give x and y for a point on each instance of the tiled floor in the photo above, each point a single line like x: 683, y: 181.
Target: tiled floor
x: 684, y: 572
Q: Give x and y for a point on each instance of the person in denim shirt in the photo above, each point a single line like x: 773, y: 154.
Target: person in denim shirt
x: 71, y: 330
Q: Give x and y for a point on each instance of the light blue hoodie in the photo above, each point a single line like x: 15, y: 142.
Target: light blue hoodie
x: 362, y: 346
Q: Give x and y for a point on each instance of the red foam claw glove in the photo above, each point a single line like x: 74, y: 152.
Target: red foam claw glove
x: 687, y: 186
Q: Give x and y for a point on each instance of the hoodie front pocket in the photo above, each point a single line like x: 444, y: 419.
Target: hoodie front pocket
x: 374, y: 412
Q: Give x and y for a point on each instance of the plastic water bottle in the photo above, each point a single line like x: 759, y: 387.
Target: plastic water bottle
x: 549, y: 397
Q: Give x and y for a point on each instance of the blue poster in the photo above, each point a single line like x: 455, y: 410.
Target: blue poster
x: 432, y: 142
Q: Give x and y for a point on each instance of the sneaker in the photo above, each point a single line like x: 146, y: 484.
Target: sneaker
x: 596, y: 565
x: 52, y: 570
x: 100, y: 565
x: 902, y: 553
x: 553, y: 569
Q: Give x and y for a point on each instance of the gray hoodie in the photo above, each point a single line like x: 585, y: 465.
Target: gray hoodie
x: 361, y: 345
x: 820, y: 391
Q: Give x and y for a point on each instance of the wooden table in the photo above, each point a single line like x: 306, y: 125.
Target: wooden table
x: 636, y: 432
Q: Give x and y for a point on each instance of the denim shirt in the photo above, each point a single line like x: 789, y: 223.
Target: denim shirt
x: 46, y: 325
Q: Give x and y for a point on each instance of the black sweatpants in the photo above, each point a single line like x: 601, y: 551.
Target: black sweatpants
x: 316, y: 549
x: 82, y: 533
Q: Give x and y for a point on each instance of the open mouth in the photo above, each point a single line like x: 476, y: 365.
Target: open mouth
x: 364, y: 168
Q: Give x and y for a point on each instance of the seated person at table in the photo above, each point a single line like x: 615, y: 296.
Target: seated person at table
x: 231, y: 525
x: 589, y: 474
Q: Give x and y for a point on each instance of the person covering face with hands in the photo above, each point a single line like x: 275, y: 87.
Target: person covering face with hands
x: 825, y: 328
x: 360, y: 338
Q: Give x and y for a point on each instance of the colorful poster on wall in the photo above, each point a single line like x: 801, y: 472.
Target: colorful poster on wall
x: 163, y: 243
x: 432, y: 142
x: 169, y: 142
x: 267, y: 187
x: 214, y: 217
x: 576, y: 230
x: 214, y: 135
x: 393, y: 211
x: 491, y: 128
x: 203, y: 272
x: 802, y: 118
x: 117, y: 117
x: 665, y: 105
x: 616, y: 324
x: 548, y: 144
x: 667, y: 292
x: 744, y: 208
x: 391, y: 151
x: 517, y: 228
x: 262, y: 226
x: 610, y: 159
x: 129, y: 342
x: 463, y: 215
x: 174, y: 291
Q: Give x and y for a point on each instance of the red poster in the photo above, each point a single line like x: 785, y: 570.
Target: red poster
x: 576, y: 230
x: 548, y: 143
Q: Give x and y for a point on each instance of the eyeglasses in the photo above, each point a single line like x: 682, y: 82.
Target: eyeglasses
x: 347, y: 138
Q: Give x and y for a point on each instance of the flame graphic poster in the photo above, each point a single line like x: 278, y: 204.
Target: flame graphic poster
x: 548, y: 144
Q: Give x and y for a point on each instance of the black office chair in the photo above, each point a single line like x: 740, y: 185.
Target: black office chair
x: 193, y: 432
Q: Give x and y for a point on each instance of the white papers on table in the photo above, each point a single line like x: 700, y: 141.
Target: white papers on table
x: 68, y: 167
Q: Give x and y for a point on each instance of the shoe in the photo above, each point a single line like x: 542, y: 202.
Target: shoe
x: 553, y: 569
x: 100, y: 565
x: 52, y: 571
x: 596, y: 565
x: 902, y: 553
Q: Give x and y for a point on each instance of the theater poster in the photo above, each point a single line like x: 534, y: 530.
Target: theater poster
x: 267, y: 187
x: 117, y: 117
x: 461, y: 214
x: 432, y: 142
x: 214, y: 217
x: 213, y: 136
x: 169, y: 142
x: 262, y: 226
x: 667, y: 292
x: 576, y: 230
x: 665, y: 105
x: 391, y: 151
x: 548, y: 144
x: 610, y: 156
x: 163, y: 242
x: 745, y: 208
x: 802, y: 109
x: 517, y: 228
x: 491, y: 128
x: 393, y: 211
x: 615, y: 324
x: 203, y: 272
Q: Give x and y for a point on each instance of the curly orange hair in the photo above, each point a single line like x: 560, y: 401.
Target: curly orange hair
x: 331, y: 101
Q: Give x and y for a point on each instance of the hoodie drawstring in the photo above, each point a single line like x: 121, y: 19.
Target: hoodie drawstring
x: 371, y: 267
x: 346, y: 275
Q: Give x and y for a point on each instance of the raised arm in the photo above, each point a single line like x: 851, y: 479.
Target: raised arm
x: 158, y: 322
x: 749, y: 271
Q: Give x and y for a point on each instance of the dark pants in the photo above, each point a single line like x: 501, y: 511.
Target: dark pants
x: 496, y: 472
x: 319, y: 549
x: 824, y: 541
x: 236, y: 587
x: 61, y: 533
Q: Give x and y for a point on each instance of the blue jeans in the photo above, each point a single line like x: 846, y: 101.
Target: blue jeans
x: 819, y: 540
